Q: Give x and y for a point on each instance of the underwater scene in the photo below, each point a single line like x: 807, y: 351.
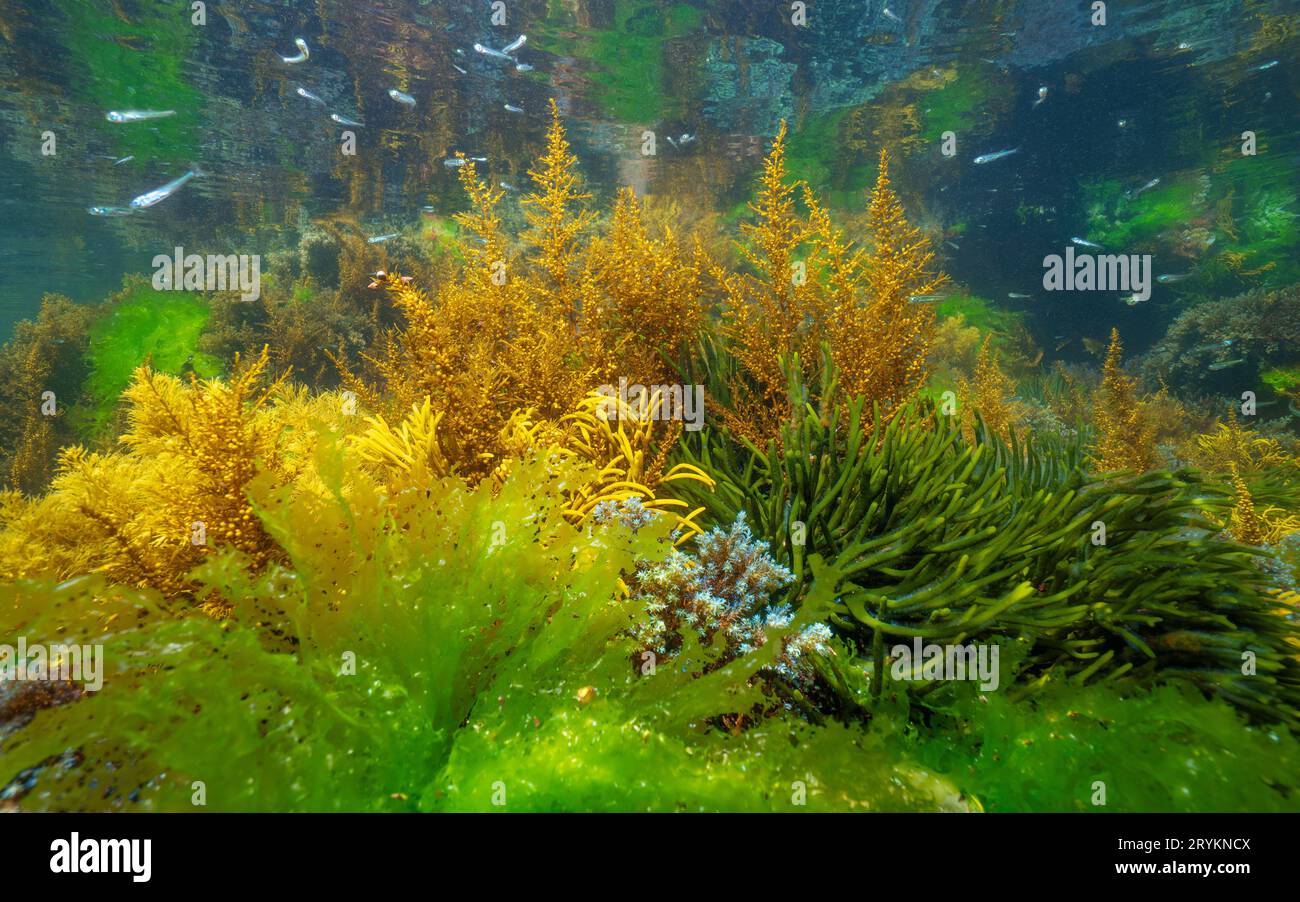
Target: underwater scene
x: 649, y: 406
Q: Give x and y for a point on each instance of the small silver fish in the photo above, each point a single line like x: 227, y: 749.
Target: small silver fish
x: 923, y: 298
x: 990, y: 157
x: 890, y: 14
x: 158, y: 195
x: 523, y: 67
x: 1042, y: 95
x: 1017, y: 296
x: 1167, y: 278
x: 303, y: 92
x: 303, y: 52
x: 1213, y: 346
x: 952, y: 245
x: 123, y: 160
x: 1132, y: 299
x: 1224, y: 364
x: 380, y: 239
x: 509, y: 187
x: 109, y: 211
x: 493, y: 54
x: 511, y: 108
x: 401, y: 97
x: 1147, y: 187
x: 1269, y: 65
x: 515, y: 44
x: 1123, y: 123
x: 137, y: 115
x: 459, y: 69
x: 1085, y: 243
x: 454, y: 162
x: 344, y: 120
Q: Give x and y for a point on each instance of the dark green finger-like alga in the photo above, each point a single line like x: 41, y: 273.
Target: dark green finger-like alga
x: 938, y: 536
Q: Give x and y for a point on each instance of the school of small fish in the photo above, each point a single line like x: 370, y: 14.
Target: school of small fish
x: 508, y: 53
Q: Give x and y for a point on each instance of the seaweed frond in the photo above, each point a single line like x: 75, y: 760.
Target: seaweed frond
x: 556, y: 223
x: 931, y: 535
x: 811, y: 287
x: 989, y: 394
x: 411, y: 450
x: 1125, y: 438
x: 1231, y: 446
x: 880, y: 343
x: 617, y: 437
x: 1257, y: 527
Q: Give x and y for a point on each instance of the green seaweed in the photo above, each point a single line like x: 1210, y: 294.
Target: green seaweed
x: 1122, y: 222
x: 812, y: 148
x: 1249, y: 210
x: 1093, y: 749
x: 448, y: 665
x: 141, y: 323
x: 439, y: 666
x: 1282, y: 378
x: 629, y: 56
x: 933, y: 535
x: 136, y: 63
x: 444, y: 236
x: 980, y: 312
x: 954, y: 107
x: 1258, y: 219
x: 815, y: 154
x: 1272, y: 217
x: 1268, y: 235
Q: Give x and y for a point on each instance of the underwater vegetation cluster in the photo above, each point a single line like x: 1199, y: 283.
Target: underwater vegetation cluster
x: 389, y: 539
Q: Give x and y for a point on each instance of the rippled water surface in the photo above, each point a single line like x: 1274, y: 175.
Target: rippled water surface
x: 1162, y: 91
